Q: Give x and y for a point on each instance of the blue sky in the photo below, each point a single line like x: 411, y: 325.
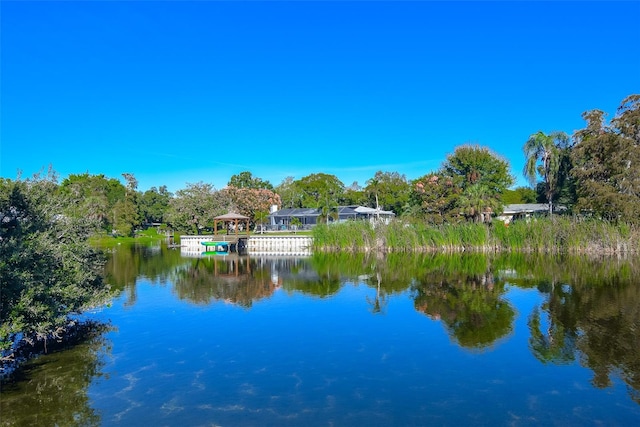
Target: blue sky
x: 181, y: 92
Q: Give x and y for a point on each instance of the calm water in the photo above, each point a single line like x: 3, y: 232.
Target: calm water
x: 348, y: 340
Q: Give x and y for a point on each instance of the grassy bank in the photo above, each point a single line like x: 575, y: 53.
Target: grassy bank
x: 546, y: 235
x: 144, y: 237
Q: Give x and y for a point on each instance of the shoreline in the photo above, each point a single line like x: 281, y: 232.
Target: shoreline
x: 550, y: 236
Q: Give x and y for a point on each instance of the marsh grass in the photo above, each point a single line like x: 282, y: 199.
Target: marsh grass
x: 352, y: 236
x: 553, y: 235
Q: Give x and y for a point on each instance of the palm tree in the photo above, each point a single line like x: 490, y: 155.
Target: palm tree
x: 477, y: 203
x: 260, y: 217
x: 543, y: 156
x: 328, y: 210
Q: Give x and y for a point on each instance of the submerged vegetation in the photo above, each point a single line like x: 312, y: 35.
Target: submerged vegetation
x: 544, y: 235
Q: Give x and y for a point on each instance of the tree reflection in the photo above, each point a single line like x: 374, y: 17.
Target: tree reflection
x: 322, y: 275
x: 51, y: 390
x: 322, y: 284
x: 380, y: 301
x: 231, y: 278
x: 556, y: 344
x: 468, y: 301
x: 592, y: 313
x: 610, y: 337
x: 128, y: 262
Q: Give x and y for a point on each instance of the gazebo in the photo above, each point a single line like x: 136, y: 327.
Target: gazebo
x: 231, y: 218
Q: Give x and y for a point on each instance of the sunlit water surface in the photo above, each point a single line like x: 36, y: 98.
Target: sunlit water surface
x: 314, y: 341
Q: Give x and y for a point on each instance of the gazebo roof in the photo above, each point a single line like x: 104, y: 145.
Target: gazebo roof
x: 230, y: 216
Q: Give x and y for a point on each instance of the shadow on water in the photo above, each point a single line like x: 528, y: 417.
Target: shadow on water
x: 52, y: 389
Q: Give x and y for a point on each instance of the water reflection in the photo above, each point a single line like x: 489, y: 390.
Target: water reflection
x: 228, y: 278
x: 52, y: 390
x: 471, y: 306
x: 579, y: 312
x: 593, y: 317
x: 128, y: 263
x: 590, y: 312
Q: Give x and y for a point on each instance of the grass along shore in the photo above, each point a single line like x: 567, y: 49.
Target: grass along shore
x: 545, y: 235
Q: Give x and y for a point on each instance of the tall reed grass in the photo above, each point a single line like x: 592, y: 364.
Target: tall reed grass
x: 545, y: 235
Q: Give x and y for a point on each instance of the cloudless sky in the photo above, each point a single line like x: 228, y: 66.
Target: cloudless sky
x: 180, y: 92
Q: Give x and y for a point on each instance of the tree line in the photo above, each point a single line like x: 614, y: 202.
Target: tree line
x: 595, y: 171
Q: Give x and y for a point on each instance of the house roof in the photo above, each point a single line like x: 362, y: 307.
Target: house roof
x: 296, y: 212
x: 342, y: 210
x: 528, y: 208
x: 372, y: 211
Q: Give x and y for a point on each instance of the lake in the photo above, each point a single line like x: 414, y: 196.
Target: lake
x: 342, y: 340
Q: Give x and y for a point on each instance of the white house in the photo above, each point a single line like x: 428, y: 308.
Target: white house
x: 525, y: 210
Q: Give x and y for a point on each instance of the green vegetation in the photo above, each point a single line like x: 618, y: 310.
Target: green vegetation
x: 542, y: 235
x: 388, y: 189
x: 606, y: 164
x: 143, y: 237
x: 469, y: 187
x: 519, y: 195
x: 544, y: 156
x: 247, y: 180
x: 593, y: 173
x: 49, y: 272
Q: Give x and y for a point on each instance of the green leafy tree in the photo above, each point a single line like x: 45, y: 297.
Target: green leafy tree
x: 317, y: 189
x: 295, y: 223
x: 154, y: 203
x: 388, y: 190
x: 290, y: 193
x: 261, y: 218
x: 126, y: 215
x: 475, y: 169
x: 606, y: 163
x: 194, y: 208
x: 49, y: 272
x: 247, y: 180
x: 433, y: 198
x: 519, y: 195
x: 92, y: 196
x: 543, y: 157
x: 353, y: 195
